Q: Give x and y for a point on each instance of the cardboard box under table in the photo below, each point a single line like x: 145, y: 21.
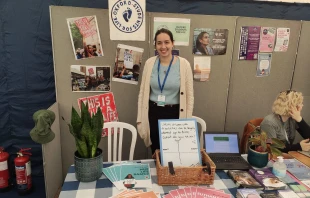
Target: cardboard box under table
x: 186, y: 175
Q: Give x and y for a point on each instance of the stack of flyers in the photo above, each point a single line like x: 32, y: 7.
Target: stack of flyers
x: 136, y: 194
x: 197, y: 192
x: 247, y: 192
x: 129, y: 175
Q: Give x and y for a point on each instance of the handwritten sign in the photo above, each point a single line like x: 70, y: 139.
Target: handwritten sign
x: 179, y: 142
x: 85, y: 27
x: 107, y: 105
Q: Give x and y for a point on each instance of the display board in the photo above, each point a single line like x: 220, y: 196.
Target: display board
x: 250, y: 96
x: 211, y: 96
x: 52, y: 158
x: 231, y: 96
x: 302, y: 72
x: 126, y: 95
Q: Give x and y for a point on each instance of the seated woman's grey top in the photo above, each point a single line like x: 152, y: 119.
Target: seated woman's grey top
x: 285, y: 131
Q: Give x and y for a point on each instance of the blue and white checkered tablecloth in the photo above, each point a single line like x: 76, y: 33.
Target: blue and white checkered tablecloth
x: 103, y: 187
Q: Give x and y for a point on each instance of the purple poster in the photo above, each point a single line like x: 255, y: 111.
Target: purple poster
x: 249, y: 42
x: 253, y: 43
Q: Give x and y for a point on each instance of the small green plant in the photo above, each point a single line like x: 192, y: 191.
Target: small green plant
x: 264, y: 144
x: 86, y: 130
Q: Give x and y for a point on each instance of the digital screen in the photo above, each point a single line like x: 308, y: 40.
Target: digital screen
x: 221, y: 143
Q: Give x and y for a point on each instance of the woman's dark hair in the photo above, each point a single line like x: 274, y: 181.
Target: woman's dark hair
x: 199, y: 47
x: 163, y: 30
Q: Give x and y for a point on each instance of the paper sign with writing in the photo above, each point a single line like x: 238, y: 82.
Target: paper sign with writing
x: 180, y: 28
x: 85, y: 27
x: 283, y: 38
x: 179, y: 142
x: 107, y: 105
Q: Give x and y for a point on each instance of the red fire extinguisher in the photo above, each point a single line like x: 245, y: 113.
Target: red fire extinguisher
x: 23, y: 171
x: 4, y: 171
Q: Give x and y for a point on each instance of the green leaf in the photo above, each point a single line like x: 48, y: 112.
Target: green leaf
x: 85, y: 113
x: 97, y: 125
x: 254, y: 140
x: 277, y: 143
x: 94, y: 147
x: 71, y: 130
x: 275, y: 151
x: 81, y: 146
x: 76, y: 122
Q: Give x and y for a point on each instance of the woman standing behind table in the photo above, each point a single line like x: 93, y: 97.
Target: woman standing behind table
x: 166, y: 90
x: 286, y: 118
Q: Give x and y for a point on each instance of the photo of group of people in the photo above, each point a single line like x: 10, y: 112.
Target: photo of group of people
x: 127, y: 64
x: 90, y: 78
x: 210, y: 42
x: 85, y: 37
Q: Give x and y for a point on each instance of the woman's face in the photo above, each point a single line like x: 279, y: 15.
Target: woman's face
x: 205, y: 39
x: 164, y: 44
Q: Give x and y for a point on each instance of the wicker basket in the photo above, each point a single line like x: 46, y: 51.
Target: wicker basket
x: 186, y: 175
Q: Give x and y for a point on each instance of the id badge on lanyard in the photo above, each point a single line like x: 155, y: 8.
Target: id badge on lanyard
x: 161, y: 100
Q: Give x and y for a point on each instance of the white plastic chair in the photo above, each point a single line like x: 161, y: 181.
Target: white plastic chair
x: 118, y: 129
x: 203, y: 127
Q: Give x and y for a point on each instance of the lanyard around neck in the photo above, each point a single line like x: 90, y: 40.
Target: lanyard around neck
x: 289, y: 127
x: 158, y: 67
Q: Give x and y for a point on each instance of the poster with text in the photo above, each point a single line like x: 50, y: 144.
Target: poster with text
x: 107, y: 105
x: 283, y: 38
x: 85, y: 37
x: 127, y: 64
x: 267, y: 39
x: 202, y: 68
x: 88, y: 78
x: 249, y: 42
x: 127, y: 20
x: 179, y: 27
x: 210, y: 42
x: 263, y: 64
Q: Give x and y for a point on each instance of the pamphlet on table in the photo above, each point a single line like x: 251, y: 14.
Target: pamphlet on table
x: 129, y: 175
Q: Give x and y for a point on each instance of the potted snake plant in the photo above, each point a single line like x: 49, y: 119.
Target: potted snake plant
x: 86, y: 130
x: 262, y: 148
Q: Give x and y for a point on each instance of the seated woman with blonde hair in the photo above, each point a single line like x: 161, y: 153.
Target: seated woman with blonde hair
x: 286, y: 119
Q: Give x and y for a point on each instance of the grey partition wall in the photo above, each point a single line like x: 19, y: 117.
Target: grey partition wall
x: 210, y: 97
x: 125, y: 95
x: 301, y: 80
x: 52, y: 158
x: 250, y: 96
x: 231, y: 97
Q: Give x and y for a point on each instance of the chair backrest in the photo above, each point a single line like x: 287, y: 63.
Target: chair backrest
x: 203, y: 126
x: 248, y: 129
x: 118, y: 129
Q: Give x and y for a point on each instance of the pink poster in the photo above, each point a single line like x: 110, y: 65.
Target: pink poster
x: 267, y: 39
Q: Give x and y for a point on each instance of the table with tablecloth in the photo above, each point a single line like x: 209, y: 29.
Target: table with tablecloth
x: 103, y: 187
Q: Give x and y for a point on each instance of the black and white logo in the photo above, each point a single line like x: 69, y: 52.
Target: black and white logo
x: 127, y: 15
